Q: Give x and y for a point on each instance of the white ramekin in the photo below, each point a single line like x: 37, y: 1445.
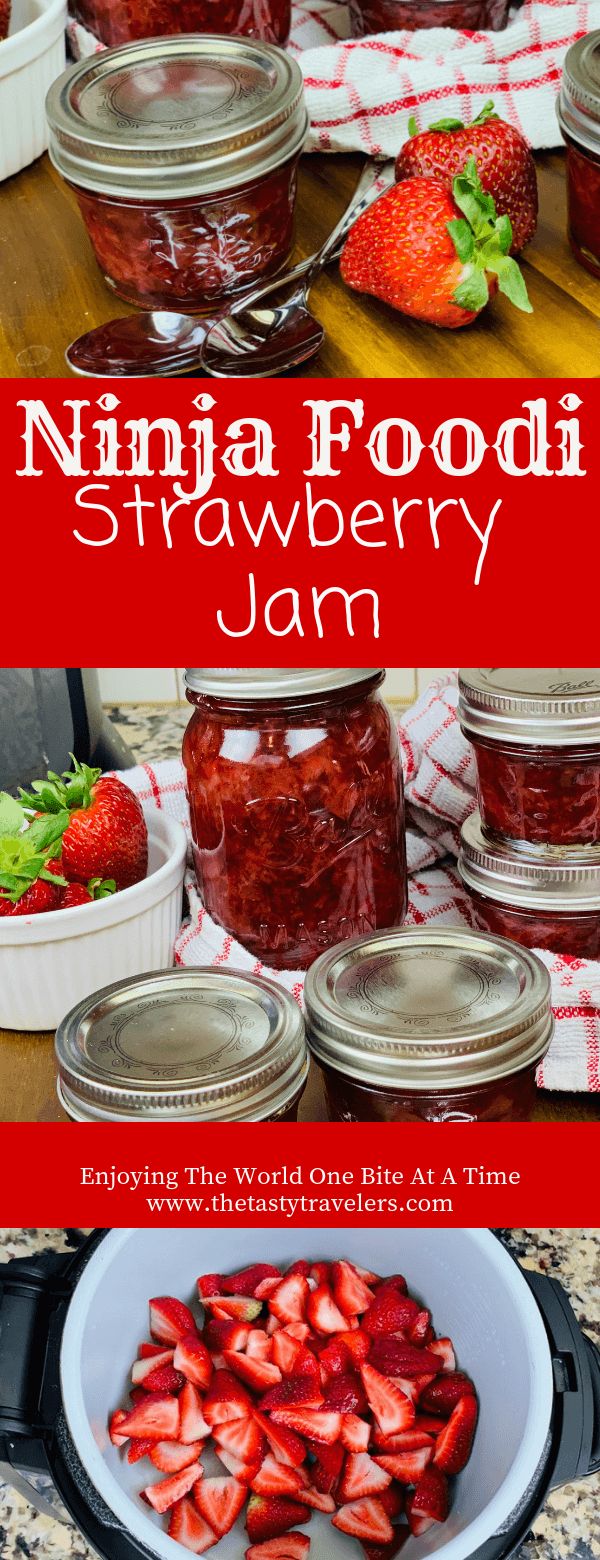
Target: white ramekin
x: 31, y: 58
x: 50, y: 962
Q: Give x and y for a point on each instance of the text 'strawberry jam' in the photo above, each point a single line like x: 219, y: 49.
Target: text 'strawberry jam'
x: 123, y: 21
x: 429, y: 1025
x: 547, y: 899
x: 296, y: 806
x: 373, y: 16
x: 184, y: 1045
x: 183, y: 155
x: 579, y: 118
x: 536, y: 736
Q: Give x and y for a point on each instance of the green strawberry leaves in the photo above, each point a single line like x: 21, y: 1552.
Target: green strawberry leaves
x: 100, y: 888
x: 447, y: 126
x: 20, y: 865
x: 482, y: 241
x: 69, y: 791
x: 12, y: 816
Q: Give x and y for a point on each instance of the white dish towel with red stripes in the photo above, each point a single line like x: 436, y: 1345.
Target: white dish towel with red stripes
x: 361, y: 92
x: 440, y: 792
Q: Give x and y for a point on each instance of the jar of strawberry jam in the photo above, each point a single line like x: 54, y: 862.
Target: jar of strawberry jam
x: 123, y: 21
x: 544, y: 899
x: 429, y: 1025
x: 578, y: 110
x: 183, y: 155
x: 536, y: 736
x: 184, y: 1045
x: 296, y: 806
x: 374, y: 16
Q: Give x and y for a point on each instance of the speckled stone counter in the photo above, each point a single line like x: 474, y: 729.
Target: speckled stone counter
x: 567, y: 1529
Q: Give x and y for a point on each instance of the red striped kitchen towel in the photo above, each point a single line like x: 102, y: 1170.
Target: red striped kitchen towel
x: 361, y: 92
x: 440, y: 792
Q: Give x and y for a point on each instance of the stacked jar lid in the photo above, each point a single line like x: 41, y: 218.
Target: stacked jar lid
x: 530, y: 855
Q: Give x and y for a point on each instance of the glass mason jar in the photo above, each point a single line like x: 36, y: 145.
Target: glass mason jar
x: 429, y: 1025
x: 115, y: 22
x: 192, y: 1045
x: 296, y: 804
x: 373, y: 16
x: 183, y: 155
x: 536, y: 736
x: 578, y: 111
x: 550, y: 899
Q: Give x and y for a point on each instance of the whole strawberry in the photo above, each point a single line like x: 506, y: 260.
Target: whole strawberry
x: 435, y: 255
x: 104, y: 834
x: 503, y: 159
x: 29, y: 885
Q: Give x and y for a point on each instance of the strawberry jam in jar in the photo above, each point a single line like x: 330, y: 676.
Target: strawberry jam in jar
x: 374, y: 16
x: 536, y: 736
x: 579, y: 118
x: 549, y: 898
x: 124, y: 21
x: 184, y: 1045
x: 183, y: 155
x: 296, y: 804
x: 428, y: 1025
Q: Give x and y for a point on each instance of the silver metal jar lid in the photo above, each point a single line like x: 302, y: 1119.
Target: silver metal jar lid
x: 424, y: 1009
x: 551, y: 877
x: 553, y: 706
x: 171, y: 117
x: 259, y: 682
x: 578, y: 105
x: 184, y: 1044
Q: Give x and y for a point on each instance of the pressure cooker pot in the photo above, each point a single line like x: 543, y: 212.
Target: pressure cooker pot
x: 69, y: 1327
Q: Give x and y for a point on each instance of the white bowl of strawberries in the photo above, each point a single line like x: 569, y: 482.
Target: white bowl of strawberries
x: 90, y: 892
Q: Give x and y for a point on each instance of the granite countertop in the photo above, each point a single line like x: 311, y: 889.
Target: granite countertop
x: 567, y: 1529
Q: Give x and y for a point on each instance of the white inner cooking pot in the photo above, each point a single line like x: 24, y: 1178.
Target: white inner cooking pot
x: 476, y: 1294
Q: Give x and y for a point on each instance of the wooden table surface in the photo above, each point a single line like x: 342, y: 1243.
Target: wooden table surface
x: 27, y: 1087
x: 51, y: 291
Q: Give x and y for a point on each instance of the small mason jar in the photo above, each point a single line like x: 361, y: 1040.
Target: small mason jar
x: 429, y: 1025
x: 123, y: 21
x: 374, y: 16
x: 192, y: 1045
x: 536, y: 736
x: 296, y: 805
x: 549, y: 899
x: 183, y: 156
x: 578, y: 109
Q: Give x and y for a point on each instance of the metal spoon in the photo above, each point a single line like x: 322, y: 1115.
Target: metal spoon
x: 272, y: 329
x: 162, y: 343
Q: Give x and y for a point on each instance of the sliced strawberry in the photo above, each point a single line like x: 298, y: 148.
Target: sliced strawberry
x: 257, y: 1374
x: 247, y: 1282
x: 268, y: 1516
x: 444, y: 1347
x: 362, y: 1477
x: 389, y: 1312
x: 236, y: 1307
x: 393, y: 1357
x: 295, y: 1391
x: 406, y: 1467
x: 323, y: 1313
x: 407, y: 1441
x: 430, y: 1498
x: 320, y: 1273
x: 144, y: 1367
x: 396, y: 1281
x: 243, y: 1472
x: 365, y: 1519
x: 193, y: 1426
x: 358, y: 1343
x: 307, y: 1364
x: 266, y: 1288
x: 393, y: 1410
x: 289, y: 1300
x: 419, y: 1332
x: 301, y: 1266
x: 192, y: 1358
x: 149, y: 1351
x: 355, y: 1433
x: 220, y: 1502
x: 225, y: 1334
x: 187, y: 1527
x: 298, y: 1330
x: 170, y: 1320
x: 311, y: 1422
x: 442, y: 1395
x: 291, y: 1546
x: 243, y: 1438
x: 114, y: 1427
x: 164, y: 1379
x: 156, y: 1419
x: 388, y: 1551
x: 392, y: 1500
x: 335, y: 1358
x: 226, y: 1399
x: 316, y: 1499
x: 346, y: 1395
x: 210, y: 1284
x: 350, y: 1292
x: 413, y: 1386
x: 259, y: 1346
x: 326, y: 1470
x: 164, y: 1494
x: 138, y: 1448
x: 275, y: 1478
x: 430, y: 1424
x: 284, y: 1443
x: 172, y: 1456
x: 285, y: 1351
x: 454, y: 1442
